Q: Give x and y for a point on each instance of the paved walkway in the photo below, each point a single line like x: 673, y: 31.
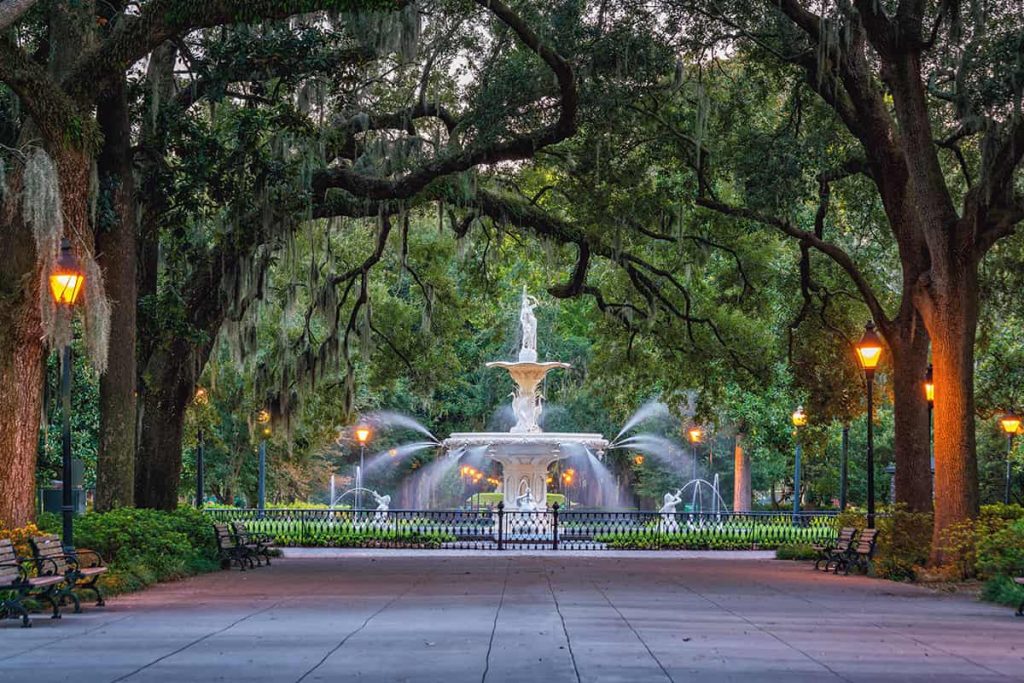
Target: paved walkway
x: 537, y: 619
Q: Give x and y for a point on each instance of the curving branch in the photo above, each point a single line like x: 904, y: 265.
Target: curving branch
x: 520, y: 146
x: 840, y: 257
x: 13, y: 10
x: 161, y: 20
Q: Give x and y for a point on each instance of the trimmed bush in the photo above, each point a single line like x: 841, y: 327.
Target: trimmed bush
x: 795, y: 551
x: 904, y: 541
x: 142, y: 547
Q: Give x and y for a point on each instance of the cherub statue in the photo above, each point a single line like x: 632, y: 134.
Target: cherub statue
x: 524, y: 501
x: 670, y: 502
x: 668, y: 521
x: 383, y: 504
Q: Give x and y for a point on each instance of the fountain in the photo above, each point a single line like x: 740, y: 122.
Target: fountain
x: 525, y: 452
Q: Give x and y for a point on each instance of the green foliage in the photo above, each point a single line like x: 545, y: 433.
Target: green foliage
x: 795, y: 551
x: 406, y: 534
x: 736, y: 534
x: 1003, y: 591
x: 903, y: 544
x: 142, y: 547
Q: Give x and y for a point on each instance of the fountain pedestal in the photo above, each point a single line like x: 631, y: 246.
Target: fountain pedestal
x: 525, y: 459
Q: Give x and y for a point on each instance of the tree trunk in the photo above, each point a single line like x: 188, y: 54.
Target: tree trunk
x: 115, y: 245
x: 953, y: 323
x: 21, y: 380
x: 165, y: 394
x: 910, y: 416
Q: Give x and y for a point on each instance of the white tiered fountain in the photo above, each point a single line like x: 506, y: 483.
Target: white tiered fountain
x: 525, y: 452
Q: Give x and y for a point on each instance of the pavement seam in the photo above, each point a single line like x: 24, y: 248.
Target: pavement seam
x: 357, y: 630
x: 63, y: 638
x: 635, y: 632
x: 197, y: 641
x: 494, y: 626
x: 568, y: 640
x: 766, y: 632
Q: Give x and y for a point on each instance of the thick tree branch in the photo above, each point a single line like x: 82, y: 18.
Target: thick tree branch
x: 840, y: 257
x: 518, y: 147
x: 161, y: 20
x: 12, y: 10
x: 56, y: 116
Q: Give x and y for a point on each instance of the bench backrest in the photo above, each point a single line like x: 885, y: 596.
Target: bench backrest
x: 49, y: 555
x: 866, y: 542
x: 240, y: 532
x: 8, y: 563
x: 846, y: 538
x: 224, y: 539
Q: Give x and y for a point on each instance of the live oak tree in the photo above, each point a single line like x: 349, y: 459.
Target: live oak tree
x: 66, y: 64
x: 930, y: 95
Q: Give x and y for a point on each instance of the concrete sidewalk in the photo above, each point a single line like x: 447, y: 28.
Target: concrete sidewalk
x: 384, y: 616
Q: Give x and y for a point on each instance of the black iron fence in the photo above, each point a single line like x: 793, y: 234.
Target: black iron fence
x: 552, y: 529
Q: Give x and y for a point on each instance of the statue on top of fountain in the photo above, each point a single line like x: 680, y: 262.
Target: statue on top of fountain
x: 528, y: 321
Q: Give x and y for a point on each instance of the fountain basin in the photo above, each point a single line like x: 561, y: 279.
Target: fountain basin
x: 525, y: 459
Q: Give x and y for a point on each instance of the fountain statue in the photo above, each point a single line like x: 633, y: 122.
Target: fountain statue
x: 668, y: 521
x: 526, y: 452
x: 528, y: 321
x: 383, y: 504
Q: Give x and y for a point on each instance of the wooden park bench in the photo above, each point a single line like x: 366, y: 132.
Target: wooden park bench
x: 228, y: 549
x: 81, y: 569
x: 18, y: 585
x: 257, y: 545
x: 860, y: 553
x: 830, y: 552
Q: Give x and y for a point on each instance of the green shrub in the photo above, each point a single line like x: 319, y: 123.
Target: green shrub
x: 734, y: 534
x: 904, y: 541
x: 1003, y: 591
x: 142, y: 547
x: 795, y: 551
x: 1000, y: 551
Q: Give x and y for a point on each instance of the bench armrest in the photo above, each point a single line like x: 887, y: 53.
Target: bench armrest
x: 95, y: 561
x: 22, y: 571
x: 41, y: 561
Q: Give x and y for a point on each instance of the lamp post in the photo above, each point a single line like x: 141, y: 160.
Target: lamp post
x: 263, y: 418
x: 1010, y: 424
x: 799, y: 419
x: 869, y: 352
x: 929, y: 395
x: 201, y: 399
x: 844, y: 449
x: 567, y: 479
x: 694, y: 434
x: 362, y: 436
x: 66, y: 282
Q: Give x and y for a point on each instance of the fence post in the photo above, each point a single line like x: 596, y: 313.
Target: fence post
x: 554, y: 514
x: 501, y: 524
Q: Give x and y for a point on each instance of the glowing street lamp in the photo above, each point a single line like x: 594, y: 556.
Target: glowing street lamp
x: 695, y: 435
x: 799, y: 419
x: 201, y: 399
x: 929, y: 386
x: 66, y: 282
x: 263, y: 418
x: 363, y: 434
x: 568, y: 476
x: 869, y: 352
x: 1010, y: 422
